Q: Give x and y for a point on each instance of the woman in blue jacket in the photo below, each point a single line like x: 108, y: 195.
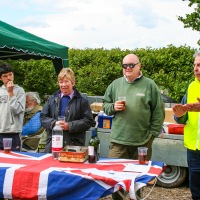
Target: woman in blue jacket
x: 70, y: 103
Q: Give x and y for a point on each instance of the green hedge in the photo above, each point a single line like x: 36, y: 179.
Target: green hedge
x: 170, y: 67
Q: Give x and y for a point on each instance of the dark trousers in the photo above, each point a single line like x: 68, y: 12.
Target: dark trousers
x: 128, y: 151
x: 193, y: 159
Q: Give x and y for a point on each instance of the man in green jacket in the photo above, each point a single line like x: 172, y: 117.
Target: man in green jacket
x: 140, y: 120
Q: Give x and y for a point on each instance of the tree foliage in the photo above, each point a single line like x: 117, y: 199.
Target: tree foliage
x: 192, y: 20
x: 34, y: 75
x: 170, y: 67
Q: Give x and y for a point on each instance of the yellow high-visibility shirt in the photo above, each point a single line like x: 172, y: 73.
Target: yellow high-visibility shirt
x: 192, y: 127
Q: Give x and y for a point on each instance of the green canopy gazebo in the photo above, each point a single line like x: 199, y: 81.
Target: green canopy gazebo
x: 18, y: 44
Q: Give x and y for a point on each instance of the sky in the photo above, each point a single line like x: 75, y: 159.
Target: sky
x: 124, y: 24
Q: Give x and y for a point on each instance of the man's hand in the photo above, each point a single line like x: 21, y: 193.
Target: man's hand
x: 119, y: 106
x: 194, y: 107
x: 179, y: 110
x: 10, y: 88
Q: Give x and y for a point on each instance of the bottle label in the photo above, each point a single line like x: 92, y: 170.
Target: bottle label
x: 57, y: 142
x: 106, y: 123
x: 91, y: 150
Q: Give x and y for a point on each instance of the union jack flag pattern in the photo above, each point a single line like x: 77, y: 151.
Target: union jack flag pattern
x: 37, y: 176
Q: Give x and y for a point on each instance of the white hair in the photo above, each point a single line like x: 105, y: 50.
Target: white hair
x: 196, y: 54
x: 34, y: 96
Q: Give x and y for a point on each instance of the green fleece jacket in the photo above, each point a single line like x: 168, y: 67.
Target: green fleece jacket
x: 144, y: 113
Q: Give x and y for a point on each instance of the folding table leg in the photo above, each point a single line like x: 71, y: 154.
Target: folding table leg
x: 139, y: 193
x: 122, y: 195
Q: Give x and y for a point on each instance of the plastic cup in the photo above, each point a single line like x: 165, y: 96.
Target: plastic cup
x: 122, y: 99
x: 7, y: 145
x: 142, y: 155
x: 61, y: 118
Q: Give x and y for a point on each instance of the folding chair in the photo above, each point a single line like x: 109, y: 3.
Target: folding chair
x: 30, y: 143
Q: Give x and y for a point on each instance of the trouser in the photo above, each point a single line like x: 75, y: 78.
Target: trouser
x: 193, y: 159
x: 127, y: 152
x: 16, y: 141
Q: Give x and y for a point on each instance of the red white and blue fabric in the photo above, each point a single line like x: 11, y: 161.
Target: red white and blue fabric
x: 37, y: 176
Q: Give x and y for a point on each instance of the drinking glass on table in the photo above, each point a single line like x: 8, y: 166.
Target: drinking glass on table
x: 142, y: 155
x: 7, y: 145
x: 61, y: 118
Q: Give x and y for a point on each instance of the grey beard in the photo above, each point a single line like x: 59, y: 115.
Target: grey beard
x: 29, y: 109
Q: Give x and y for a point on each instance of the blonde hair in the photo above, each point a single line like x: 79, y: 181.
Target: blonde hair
x: 68, y: 73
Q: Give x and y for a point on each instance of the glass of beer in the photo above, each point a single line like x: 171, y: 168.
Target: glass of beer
x: 142, y: 155
x: 123, y: 100
x: 7, y: 144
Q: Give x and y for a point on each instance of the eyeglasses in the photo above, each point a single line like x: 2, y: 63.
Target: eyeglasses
x: 131, y: 65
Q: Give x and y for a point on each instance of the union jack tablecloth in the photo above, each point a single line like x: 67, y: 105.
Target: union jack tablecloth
x: 37, y: 176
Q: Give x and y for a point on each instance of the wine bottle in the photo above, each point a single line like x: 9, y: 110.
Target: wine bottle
x: 98, y: 140
x: 92, y: 148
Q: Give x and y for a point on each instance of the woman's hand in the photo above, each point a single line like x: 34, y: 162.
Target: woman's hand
x: 64, y: 125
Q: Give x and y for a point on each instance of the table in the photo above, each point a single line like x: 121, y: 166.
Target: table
x: 35, y: 176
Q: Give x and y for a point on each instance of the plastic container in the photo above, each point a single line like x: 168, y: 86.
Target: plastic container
x: 176, y: 129
x: 57, y: 140
x: 105, y: 121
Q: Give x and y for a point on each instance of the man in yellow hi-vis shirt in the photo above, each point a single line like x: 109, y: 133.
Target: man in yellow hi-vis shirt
x: 188, y: 113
